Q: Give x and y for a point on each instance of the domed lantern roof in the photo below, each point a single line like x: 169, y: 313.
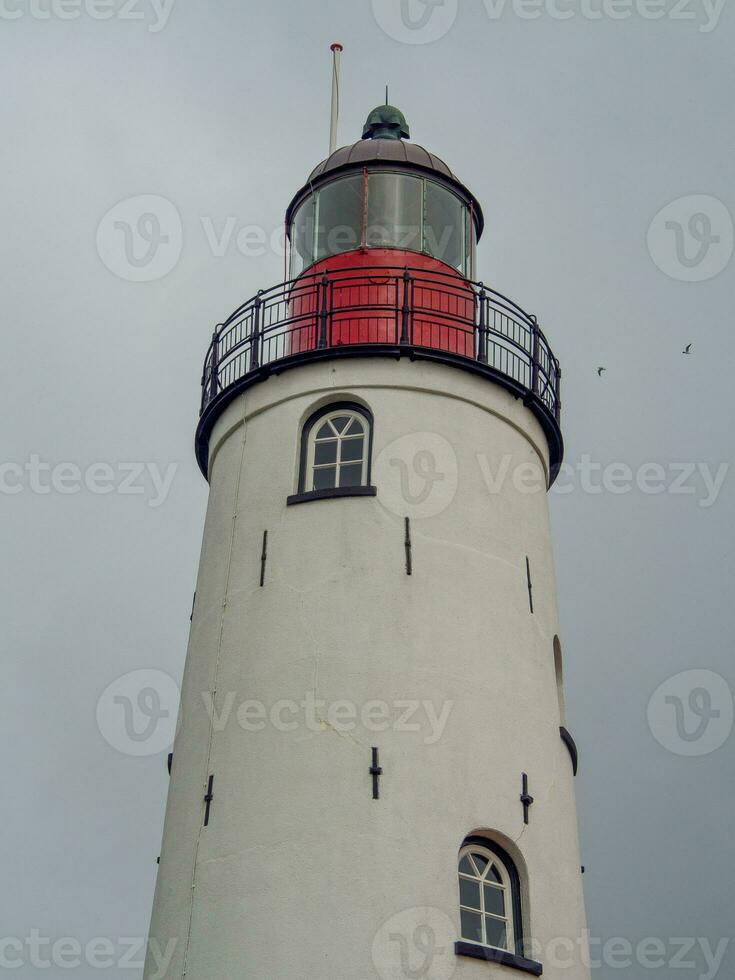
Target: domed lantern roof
x: 383, y: 146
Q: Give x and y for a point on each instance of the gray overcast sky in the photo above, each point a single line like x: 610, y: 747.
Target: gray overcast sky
x: 574, y: 134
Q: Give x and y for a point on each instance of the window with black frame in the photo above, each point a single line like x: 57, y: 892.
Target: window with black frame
x: 335, y: 452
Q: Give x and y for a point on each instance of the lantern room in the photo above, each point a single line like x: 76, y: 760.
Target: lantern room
x: 382, y: 196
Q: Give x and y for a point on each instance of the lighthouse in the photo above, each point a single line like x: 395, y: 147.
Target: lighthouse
x: 372, y: 775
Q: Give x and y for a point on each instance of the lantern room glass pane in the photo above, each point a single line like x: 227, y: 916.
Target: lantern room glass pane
x: 339, y: 217
x: 444, y: 226
x: 394, y: 211
x: 302, y: 237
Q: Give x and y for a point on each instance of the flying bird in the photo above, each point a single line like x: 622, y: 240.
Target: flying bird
x: 687, y: 349
x: 600, y: 370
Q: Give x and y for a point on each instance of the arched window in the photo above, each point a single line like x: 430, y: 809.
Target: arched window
x: 335, y: 450
x: 486, y: 898
x: 491, y: 923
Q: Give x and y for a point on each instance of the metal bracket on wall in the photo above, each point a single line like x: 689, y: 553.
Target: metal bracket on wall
x: 526, y: 798
x: 208, y: 797
x: 263, y: 558
x: 376, y: 772
x: 408, y: 547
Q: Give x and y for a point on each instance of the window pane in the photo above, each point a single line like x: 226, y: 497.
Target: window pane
x: 340, y: 422
x: 354, y: 427
x: 350, y: 476
x: 444, y: 225
x: 324, y: 479
x: 480, y: 861
x: 494, y: 900
x: 302, y: 238
x: 494, y: 875
x: 325, y: 432
x: 394, y: 211
x: 495, y: 933
x: 465, y: 867
x: 469, y: 893
x: 352, y: 449
x: 471, y: 928
x: 325, y: 452
x: 339, y: 217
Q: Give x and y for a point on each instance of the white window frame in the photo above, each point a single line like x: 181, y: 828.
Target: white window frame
x: 312, y: 466
x: 507, y: 888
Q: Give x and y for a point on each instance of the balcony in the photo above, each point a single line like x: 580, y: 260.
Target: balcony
x: 385, y: 311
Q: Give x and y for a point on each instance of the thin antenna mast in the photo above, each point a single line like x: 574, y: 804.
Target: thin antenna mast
x: 336, y: 50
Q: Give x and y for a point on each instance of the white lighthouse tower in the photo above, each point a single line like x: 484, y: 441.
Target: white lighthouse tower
x: 372, y: 776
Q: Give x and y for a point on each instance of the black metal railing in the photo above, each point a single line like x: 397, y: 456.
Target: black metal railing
x: 391, y: 307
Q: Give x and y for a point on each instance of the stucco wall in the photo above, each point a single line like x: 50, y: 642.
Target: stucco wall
x: 300, y: 873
